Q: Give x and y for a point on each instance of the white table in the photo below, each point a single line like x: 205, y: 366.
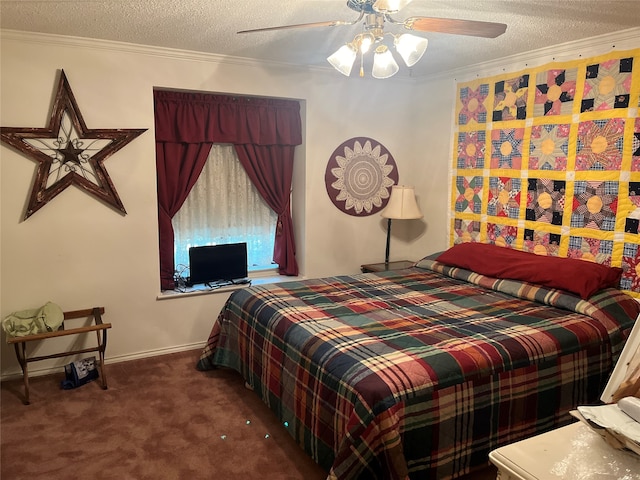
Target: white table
x: 573, y: 452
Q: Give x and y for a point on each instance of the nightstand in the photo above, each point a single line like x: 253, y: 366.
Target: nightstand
x: 383, y: 267
x: 571, y: 452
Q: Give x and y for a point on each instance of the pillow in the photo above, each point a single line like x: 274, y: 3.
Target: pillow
x: 580, y: 277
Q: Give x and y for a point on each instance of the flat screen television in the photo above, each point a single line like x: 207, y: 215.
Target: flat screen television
x: 215, y: 263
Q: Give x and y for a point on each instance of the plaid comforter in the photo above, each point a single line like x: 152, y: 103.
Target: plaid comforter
x: 418, y: 373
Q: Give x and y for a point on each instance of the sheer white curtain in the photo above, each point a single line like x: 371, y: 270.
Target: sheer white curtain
x: 225, y: 207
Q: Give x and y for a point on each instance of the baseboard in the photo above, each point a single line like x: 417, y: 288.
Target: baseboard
x: 37, y: 372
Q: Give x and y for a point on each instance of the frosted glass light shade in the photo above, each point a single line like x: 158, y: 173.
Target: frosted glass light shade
x: 411, y: 48
x: 343, y: 59
x: 384, y: 65
x: 402, y: 204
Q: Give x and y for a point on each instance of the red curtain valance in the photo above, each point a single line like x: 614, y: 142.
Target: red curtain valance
x: 210, y: 118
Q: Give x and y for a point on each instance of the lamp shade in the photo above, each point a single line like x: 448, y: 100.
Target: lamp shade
x: 343, y: 59
x: 402, y: 204
x: 384, y: 66
x: 411, y: 48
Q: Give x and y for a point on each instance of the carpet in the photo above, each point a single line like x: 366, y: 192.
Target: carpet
x: 160, y: 419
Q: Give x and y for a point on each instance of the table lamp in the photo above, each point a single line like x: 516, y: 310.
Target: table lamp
x: 402, y: 206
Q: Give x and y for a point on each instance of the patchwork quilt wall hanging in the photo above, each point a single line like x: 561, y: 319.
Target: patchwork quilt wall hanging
x: 547, y: 160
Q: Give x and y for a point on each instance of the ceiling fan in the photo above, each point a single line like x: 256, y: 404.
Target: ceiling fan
x: 374, y: 14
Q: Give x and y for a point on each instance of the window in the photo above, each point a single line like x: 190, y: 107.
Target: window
x: 225, y: 207
x: 264, y: 133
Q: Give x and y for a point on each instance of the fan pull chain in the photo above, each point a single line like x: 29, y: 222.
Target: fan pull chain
x: 361, y: 64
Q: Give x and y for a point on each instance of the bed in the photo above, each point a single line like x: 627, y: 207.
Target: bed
x: 419, y: 373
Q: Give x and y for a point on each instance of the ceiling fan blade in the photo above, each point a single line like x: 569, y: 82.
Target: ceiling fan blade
x: 390, y: 6
x: 458, y: 27
x: 331, y: 23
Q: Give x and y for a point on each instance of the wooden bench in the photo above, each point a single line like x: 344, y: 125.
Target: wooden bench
x: 20, y: 343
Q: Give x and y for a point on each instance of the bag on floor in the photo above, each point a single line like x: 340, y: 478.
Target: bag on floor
x: 79, y: 372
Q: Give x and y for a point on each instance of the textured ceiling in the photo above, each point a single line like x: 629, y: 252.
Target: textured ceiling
x: 211, y: 25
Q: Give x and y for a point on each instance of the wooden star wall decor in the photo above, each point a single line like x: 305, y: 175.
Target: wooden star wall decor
x: 69, y: 153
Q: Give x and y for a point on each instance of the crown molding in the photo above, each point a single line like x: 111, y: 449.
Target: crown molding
x: 621, y: 40
x: 171, y: 53
x: 148, y: 50
x: 592, y: 46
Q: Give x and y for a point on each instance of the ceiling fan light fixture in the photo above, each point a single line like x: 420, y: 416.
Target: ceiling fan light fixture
x: 343, y: 59
x: 410, y: 47
x: 373, y: 14
x: 384, y: 65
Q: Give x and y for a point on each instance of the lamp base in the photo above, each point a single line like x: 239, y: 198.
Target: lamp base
x: 386, y: 254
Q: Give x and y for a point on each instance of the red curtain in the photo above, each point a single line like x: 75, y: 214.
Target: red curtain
x: 270, y: 169
x: 186, y: 124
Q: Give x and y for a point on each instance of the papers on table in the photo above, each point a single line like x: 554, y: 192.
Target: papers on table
x: 615, y: 426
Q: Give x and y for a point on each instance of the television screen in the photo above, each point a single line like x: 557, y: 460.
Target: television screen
x: 214, y: 263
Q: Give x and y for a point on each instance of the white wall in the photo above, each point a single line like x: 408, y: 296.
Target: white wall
x: 78, y: 252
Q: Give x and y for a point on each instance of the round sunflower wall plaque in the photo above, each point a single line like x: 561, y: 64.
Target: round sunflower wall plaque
x: 359, y: 176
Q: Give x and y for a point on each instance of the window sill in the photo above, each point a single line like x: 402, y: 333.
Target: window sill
x: 260, y: 278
